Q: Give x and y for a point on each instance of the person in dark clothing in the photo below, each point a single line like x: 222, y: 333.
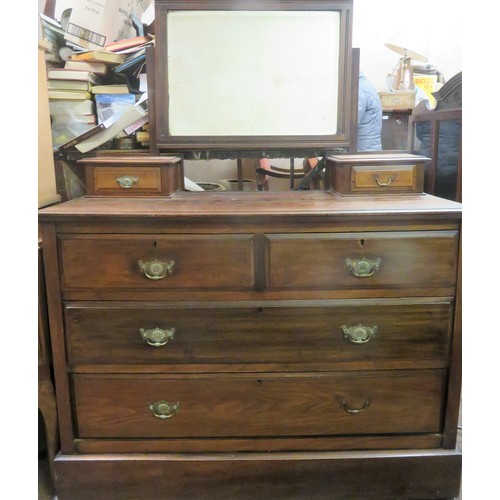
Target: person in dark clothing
x: 369, y: 117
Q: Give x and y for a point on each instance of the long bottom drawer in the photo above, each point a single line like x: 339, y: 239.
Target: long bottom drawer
x: 258, y: 405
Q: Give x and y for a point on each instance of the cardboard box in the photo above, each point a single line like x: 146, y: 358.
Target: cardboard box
x: 92, y: 25
x: 429, y: 84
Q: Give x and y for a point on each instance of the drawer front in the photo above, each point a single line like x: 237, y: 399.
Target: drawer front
x: 124, y: 262
x: 125, y: 181
x: 382, y: 335
x: 400, y: 100
x: 373, y: 179
x: 363, y: 260
x: 202, y: 406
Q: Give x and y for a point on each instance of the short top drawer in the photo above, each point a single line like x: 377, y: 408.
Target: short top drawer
x: 133, y: 175
x: 128, y: 262
x: 372, y: 173
x: 394, y: 178
x: 363, y: 260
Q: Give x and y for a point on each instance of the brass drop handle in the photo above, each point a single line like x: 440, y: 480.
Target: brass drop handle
x: 156, y: 269
x: 163, y: 409
x: 156, y: 336
x: 359, y: 334
x: 355, y: 411
x: 363, y: 267
x: 382, y: 184
x: 127, y: 181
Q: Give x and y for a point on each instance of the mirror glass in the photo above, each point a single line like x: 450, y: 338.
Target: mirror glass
x: 253, y: 73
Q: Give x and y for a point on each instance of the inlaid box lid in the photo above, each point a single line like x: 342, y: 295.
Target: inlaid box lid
x: 377, y: 157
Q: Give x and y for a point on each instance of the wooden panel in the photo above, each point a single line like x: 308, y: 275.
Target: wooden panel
x: 407, y: 260
x: 263, y: 405
x: 395, y: 130
x: 283, y: 476
x: 229, y: 210
x: 263, y: 444
x: 407, y: 334
x: 47, y: 187
x: 112, y: 262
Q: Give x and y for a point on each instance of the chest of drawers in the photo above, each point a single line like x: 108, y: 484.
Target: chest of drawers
x: 253, y: 345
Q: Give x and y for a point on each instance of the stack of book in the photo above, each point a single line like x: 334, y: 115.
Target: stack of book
x: 95, y: 93
x: 128, y: 120
x: 70, y: 84
x: 75, y: 87
x: 74, y: 112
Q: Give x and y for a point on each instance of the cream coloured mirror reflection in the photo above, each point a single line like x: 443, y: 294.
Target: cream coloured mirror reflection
x: 253, y: 73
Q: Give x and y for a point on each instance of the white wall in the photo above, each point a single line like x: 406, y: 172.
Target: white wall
x: 430, y: 27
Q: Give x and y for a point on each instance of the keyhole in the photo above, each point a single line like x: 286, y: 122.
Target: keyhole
x: 155, y: 243
x: 362, y: 242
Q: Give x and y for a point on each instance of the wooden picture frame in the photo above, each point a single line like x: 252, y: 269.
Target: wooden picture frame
x: 194, y: 112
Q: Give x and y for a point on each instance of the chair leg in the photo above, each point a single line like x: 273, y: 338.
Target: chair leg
x: 262, y: 180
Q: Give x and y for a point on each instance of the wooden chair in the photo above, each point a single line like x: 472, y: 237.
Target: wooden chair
x: 437, y: 133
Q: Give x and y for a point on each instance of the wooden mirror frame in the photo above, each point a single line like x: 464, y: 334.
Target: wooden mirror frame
x: 168, y: 142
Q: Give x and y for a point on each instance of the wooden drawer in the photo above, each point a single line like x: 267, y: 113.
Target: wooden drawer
x: 127, y: 262
x: 349, y: 334
x: 377, y: 174
x: 133, y: 175
x: 126, y: 180
x: 394, y: 178
x: 363, y: 260
x: 265, y: 405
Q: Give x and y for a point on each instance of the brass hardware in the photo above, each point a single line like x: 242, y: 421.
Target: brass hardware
x: 359, y: 334
x: 157, y: 337
x: 355, y: 411
x: 155, y: 269
x: 382, y: 184
x: 127, y: 181
x: 363, y: 267
x: 164, y: 410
